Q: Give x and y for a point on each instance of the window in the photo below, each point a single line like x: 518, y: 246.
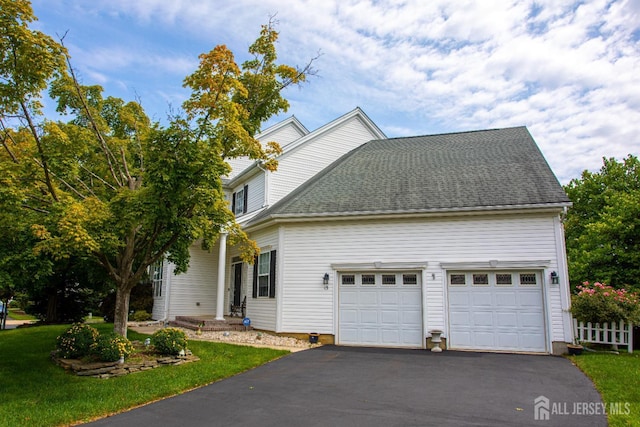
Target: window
x: 388, y: 279
x: 457, y: 280
x: 481, y: 279
x: 155, y: 274
x: 348, y: 279
x: 239, y: 201
x: 409, y: 279
x: 528, y: 279
x: 368, y: 279
x: 503, y: 279
x: 264, y: 275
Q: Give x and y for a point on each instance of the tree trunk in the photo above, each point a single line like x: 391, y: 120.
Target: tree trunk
x: 52, y: 306
x: 122, y: 310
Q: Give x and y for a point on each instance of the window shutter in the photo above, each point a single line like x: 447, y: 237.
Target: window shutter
x: 233, y: 203
x: 272, y: 275
x: 255, y: 277
x: 246, y: 199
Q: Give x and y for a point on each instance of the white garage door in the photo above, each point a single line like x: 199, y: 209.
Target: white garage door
x: 380, y: 309
x: 496, y: 311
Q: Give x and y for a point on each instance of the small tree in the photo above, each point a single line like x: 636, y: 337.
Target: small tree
x: 603, y: 225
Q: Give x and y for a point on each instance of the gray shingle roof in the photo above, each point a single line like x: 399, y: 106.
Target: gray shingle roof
x: 480, y: 169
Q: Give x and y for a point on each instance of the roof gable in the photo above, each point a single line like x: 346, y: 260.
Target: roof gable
x: 468, y: 170
x: 294, y: 146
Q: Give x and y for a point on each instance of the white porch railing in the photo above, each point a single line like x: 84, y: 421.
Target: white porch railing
x: 620, y: 333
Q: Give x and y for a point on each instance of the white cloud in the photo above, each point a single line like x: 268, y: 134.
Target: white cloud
x: 566, y: 69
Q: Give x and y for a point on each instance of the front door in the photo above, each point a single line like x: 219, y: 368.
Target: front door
x: 237, y: 283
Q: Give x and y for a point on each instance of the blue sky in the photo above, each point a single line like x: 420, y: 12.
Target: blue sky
x: 569, y: 71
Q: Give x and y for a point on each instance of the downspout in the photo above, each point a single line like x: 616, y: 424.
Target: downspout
x: 565, y: 294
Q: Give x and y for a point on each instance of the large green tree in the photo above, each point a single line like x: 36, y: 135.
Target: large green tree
x: 603, y: 225
x: 108, y: 184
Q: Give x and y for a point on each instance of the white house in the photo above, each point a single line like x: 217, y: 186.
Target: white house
x: 377, y: 242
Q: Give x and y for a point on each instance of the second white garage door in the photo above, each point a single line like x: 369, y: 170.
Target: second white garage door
x: 380, y: 309
x: 496, y: 311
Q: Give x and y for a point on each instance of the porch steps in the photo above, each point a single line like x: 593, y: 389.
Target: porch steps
x: 209, y: 324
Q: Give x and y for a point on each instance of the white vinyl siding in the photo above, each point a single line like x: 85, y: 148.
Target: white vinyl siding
x: 262, y: 311
x: 298, y: 165
x: 194, y: 293
x: 283, y: 135
x: 312, y: 248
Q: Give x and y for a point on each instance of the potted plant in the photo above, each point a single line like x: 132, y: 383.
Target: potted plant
x: 575, y: 349
x: 199, y: 330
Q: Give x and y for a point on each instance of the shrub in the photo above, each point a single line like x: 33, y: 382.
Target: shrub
x: 600, y: 303
x: 111, y: 347
x: 169, y: 341
x: 76, y: 341
x: 140, y: 316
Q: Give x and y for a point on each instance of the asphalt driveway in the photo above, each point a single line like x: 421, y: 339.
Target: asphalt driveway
x: 346, y: 386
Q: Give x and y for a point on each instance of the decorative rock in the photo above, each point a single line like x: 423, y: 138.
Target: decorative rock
x: 115, y: 369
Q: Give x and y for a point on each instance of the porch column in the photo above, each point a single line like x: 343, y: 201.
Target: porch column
x: 222, y: 261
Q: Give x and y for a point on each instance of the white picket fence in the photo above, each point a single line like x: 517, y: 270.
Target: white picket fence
x: 620, y: 333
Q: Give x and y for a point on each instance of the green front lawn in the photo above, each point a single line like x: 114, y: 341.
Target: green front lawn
x: 617, y: 378
x: 36, y: 392
x: 17, y: 314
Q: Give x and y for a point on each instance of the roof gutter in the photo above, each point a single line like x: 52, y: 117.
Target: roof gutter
x: 437, y: 212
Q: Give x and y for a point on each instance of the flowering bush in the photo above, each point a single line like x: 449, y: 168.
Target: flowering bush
x: 169, y: 341
x: 111, y: 347
x: 76, y: 341
x: 600, y: 303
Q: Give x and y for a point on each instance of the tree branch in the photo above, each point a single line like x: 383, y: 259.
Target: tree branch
x: 43, y: 157
x: 110, y: 158
x: 7, y: 136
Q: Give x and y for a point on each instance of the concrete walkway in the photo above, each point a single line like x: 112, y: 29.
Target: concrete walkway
x: 343, y: 386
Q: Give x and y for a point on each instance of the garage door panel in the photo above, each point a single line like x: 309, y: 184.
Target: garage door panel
x: 531, y: 320
x: 369, y: 316
x: 368, y: 336
x: 458, y: 299
x: 411, y: 317
x: 389, y: 298
x: 462, y: 319
x: 390, y: 317
x: 348, y: 298
x: 349, y: 316
x: 483, y: 339
x: 367, y: 298
x: 529, y: 298
x: 507, y: 319
x: 481, y: 298
x: 410, y: 298
x: 349, y: 334
x: 531, y: 342
x: 391, y: 337
x: 508, y: 340
x: 482, y: 318
x: 507, y: 299
x: 505, y: 316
